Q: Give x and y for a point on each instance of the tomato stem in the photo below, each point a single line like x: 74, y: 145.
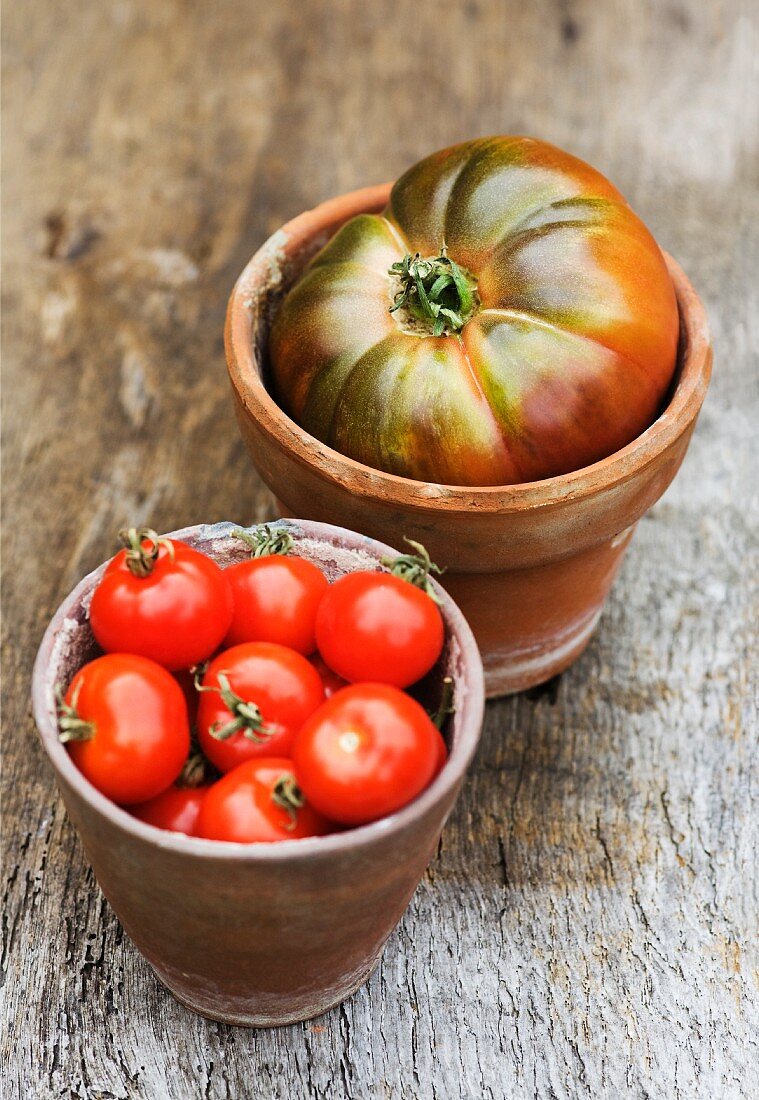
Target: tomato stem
x: 70, y: 726
x: 415, y: 568
x: 436, y: 291
x: 246, y: 715
x: 263, y: 541
x: 195, y: 771
x: 446, y: 706
x: 287, y: 795
x: 142, y: 547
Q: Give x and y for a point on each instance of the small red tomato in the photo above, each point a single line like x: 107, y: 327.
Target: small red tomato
x: 367, y: 752
x: 381, y: 626
x: 186, y: 680
x: 254, y: 699
x: 331, y: 681
x: 258, y: 801
x: 124, y: 719
x: 176, y: 809
x: 163, y: 600
x: 275, y: 597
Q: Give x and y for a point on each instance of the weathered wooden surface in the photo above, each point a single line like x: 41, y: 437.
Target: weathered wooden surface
x: 589, y: 926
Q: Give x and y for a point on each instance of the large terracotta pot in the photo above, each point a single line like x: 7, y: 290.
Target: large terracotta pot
x: 260, y: 934
x: 530, y: 565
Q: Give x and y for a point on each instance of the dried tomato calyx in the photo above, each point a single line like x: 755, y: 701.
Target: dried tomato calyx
x: 415, y: 568
x: 70, y: 726
x: 195, y: 771
x: 246, y: 716
x: 435, y: 291
x: 287, y: 795
x: 142, y: 545
x: 264, y: 541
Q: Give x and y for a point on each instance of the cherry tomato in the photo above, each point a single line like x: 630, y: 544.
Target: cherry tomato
x: 124, y: 719
x: 381, y: 627
x: 186, y: 681
x: 163, y: 600
x: 275, y: 596
x: 254, y: 699
x: 176, y: 809
x: 258, y: 801
x: 330, y: 680
x: 368, y: 751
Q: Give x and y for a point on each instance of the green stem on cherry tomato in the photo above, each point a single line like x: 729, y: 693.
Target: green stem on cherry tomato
x: 198, y: 672
x: 264, y: 542
x: 247, y: 717
x: 141, y: 558
x: 287, y: 795
x: 446, y: 706
x: 415, y: 568
x: 435, y: 291
x: 71, y: 727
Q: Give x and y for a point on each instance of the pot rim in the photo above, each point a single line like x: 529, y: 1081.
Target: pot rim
x: 363, y: 836
x: 264, y: 270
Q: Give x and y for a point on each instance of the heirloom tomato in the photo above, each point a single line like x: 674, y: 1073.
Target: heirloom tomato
x: 506, y: 318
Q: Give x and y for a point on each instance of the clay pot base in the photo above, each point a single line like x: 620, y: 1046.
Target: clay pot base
x: 308, y: 1009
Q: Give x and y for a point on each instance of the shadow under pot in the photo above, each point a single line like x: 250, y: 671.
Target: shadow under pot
x: 529, y: 564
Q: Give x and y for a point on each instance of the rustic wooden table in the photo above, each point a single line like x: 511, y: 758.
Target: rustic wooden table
x: 588, y: 927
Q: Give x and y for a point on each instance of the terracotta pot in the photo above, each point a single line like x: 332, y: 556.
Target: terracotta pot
x: 260, y: 934
x: 530, y: 565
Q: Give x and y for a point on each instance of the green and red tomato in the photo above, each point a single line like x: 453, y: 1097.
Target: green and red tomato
x: 505, y: 319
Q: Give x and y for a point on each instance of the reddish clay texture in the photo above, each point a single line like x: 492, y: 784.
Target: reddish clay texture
x: 530, y: 564
x: 260, y: 934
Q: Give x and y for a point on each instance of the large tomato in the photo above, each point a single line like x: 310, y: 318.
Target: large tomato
x: 507, y: 318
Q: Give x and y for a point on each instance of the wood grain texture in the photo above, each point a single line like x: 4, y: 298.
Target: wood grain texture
x: 589, y: 928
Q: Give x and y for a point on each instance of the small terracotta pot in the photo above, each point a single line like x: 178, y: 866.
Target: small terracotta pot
x: 260, y: 934
x: 530, y: 565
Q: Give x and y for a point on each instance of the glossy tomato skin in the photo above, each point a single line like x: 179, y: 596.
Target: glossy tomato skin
x: 176, y: 616
x: 367, y: 752
x: 240, y: 807
x: 176, y: 809
x: 186, y: 680
x: 375, y: 626
x: 567, y: 357
x: 141, y: 738
x: 330, y: 679
x: 275, y: 600
x: 284, y: 686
